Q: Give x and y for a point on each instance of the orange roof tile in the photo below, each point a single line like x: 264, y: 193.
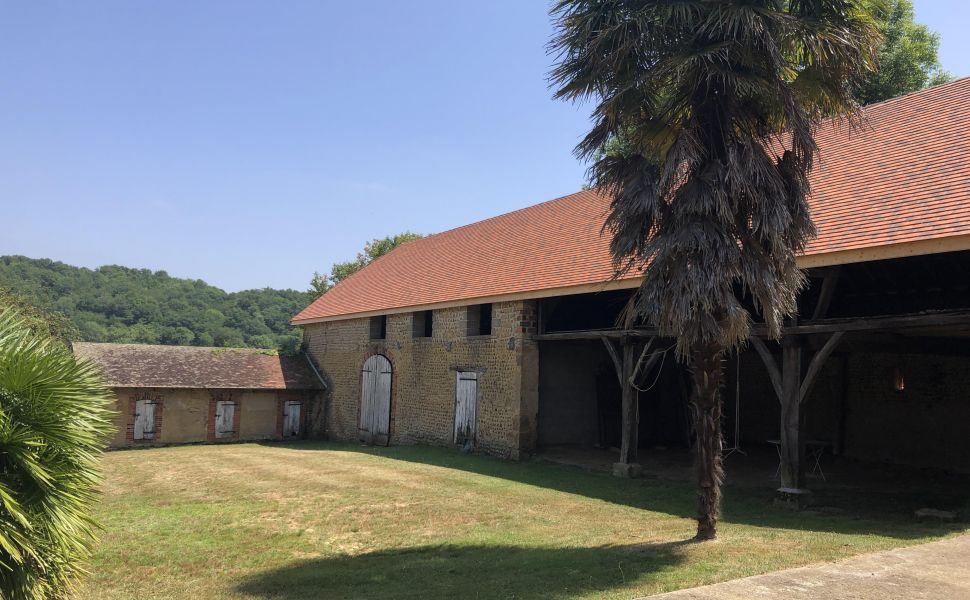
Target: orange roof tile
x: 900, y: 181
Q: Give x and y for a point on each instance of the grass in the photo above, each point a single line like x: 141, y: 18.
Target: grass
x: 302, y: 521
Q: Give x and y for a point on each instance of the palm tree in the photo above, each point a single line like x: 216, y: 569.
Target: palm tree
x: 707, y: 110
x: 53, y: 422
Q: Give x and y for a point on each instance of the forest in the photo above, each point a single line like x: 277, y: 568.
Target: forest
x: 120, y: 304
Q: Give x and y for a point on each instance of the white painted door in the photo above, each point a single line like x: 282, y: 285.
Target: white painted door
x: 291, y: 418
x: 144, y: 420
x: 225, y: 411
x: 375, y: 402
x: 466, y: 407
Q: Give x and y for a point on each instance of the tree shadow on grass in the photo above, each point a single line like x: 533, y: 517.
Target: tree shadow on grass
x: 474, y: 572
x: 742, y: 505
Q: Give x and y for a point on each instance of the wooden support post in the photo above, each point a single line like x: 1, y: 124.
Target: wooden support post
x: 792, y: 389
x: 626, y: 365
x: 792, y: 444
x: 628, y: 447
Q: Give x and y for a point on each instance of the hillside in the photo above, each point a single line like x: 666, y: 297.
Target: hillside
x: 118, y: 304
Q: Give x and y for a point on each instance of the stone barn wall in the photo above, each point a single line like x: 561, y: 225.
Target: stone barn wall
x: 423, y: 384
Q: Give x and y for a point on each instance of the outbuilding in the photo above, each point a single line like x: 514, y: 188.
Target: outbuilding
x: 188, y: 394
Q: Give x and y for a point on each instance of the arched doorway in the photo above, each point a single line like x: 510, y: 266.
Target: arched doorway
x: 375, y: 401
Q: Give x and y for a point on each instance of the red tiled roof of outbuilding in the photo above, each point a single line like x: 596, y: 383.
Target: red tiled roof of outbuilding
x: 898, y: 185
x: 148, y: 365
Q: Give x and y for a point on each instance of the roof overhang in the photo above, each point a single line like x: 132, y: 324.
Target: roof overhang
x: 823, y: 259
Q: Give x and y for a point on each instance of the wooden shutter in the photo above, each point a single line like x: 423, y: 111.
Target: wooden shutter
x: 466, y: 407
x: 225, y: 413
x: 291, y: 418
x: 144, y: 420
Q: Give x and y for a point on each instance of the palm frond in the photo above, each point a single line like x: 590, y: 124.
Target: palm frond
x: 54, y: 419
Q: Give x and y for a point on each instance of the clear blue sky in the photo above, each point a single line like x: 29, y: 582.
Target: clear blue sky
x: 250, y: 143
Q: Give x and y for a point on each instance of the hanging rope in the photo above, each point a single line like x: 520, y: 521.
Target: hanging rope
x: 663, y: 359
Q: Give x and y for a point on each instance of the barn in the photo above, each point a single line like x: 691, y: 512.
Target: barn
x: 187, y: 394
x: 503, y: 335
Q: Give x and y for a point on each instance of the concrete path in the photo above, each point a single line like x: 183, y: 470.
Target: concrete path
x: 935, y: 570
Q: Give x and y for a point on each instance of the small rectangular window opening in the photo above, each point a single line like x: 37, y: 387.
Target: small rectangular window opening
x: 480, y: 319
x: 378, y: 327
x: 423, y: 324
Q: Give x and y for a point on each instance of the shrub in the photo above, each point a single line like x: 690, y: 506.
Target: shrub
x: 54, y: 419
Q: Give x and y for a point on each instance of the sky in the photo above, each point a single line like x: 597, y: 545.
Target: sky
x: 250, y: 143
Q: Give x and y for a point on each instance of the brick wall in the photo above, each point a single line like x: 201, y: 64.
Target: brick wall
x: 424, y: 376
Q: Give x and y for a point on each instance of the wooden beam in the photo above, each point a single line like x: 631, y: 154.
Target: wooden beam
x: 650, y: 362
x: 595, y: 334
x: 890, y: 322
x: 770, y: 364
x: 817, y: 362
x: 617, y: 363
x: 825, y: 295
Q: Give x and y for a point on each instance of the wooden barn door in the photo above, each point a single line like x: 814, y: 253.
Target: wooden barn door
x: 375, y: 402
x: 291, y: 418
x: 466, y: 407
x: 144, y: 420
x: 225, y: 418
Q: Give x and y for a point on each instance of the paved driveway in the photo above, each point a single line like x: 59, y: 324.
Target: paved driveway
x: 936, y: 570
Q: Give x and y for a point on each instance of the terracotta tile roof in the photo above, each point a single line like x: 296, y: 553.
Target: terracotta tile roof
x: 143, y: 365
x: 903, y: 178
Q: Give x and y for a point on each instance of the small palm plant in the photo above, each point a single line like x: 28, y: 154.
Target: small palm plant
x: 54, y: 418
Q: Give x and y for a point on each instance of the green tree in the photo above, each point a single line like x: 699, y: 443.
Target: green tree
x: 119, y: 304
x: 54, y: 419
x: 374, y: 249
x: 716, y: 103
x: 907, y: 59
x: 40, y: 321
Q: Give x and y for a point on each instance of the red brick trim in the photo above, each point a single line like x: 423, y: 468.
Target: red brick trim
x: 132, y: 408
x: 216, y: 396
x: 281, y: 399
x: 528, y: 319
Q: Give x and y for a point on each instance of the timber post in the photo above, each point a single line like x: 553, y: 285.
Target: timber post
x: 628, y: 446
x: 623, y: 361
x: 792, y: 445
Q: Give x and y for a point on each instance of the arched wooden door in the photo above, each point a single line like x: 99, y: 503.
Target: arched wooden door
x: 375, y: 401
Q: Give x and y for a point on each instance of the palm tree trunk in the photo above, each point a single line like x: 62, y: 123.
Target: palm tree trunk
x: 708, y: 372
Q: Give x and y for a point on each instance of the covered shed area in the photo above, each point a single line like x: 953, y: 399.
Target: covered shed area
x: 876, y: 369
x: 187, y: 394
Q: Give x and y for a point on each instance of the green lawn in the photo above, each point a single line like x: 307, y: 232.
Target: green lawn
x: 287, y: 522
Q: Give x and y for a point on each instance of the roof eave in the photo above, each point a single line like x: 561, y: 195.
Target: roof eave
x: 808, y: 261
